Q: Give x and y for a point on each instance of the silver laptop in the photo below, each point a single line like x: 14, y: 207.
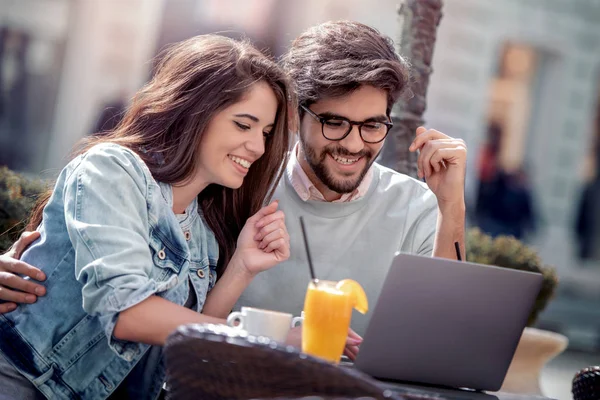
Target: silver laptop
x: 447, y: 323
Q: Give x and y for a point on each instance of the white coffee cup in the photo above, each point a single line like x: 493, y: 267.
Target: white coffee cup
x: 257, y: 322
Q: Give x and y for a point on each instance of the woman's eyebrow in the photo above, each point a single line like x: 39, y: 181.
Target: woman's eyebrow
x: 249, y: 116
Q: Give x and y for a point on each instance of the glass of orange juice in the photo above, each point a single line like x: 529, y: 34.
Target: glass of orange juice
x: 327, y: 313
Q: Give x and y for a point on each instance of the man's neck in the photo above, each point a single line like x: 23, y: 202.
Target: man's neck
x: 327, y: 193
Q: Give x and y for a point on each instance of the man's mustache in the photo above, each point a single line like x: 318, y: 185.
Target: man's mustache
x: 342, y: 152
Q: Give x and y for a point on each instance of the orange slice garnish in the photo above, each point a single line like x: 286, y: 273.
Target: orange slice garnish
x: 357, y: 292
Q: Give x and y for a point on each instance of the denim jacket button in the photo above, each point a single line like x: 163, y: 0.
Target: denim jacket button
x: 200, y: 274
x: 187, y: 235
x: 162, y: 255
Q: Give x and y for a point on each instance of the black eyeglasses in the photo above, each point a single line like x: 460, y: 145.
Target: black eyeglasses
x: 337, y: 128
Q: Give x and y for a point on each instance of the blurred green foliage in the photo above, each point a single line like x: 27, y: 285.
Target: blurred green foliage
x: 18, y: 195
x: 508, y: 252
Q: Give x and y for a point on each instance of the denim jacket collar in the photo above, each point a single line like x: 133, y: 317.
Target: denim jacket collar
x: 191, y: 212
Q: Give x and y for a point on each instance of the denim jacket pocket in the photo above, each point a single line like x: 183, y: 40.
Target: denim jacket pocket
x: 71, y: 347
x: 168, y: 260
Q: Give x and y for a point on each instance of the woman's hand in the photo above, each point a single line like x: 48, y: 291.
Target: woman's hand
x: 263, y: 242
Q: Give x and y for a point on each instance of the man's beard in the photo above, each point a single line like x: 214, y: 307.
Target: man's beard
x: 317, y: 164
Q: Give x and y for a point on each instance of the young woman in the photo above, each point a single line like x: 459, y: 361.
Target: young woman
x: 143, y: 220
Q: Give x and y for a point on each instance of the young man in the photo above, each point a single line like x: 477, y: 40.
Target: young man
x: 358, y: 213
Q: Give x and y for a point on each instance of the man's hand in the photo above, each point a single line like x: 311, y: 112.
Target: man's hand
x: 442, y: 162
x: 352, y: 341
x: 294, y: 337
x: 10, y: 269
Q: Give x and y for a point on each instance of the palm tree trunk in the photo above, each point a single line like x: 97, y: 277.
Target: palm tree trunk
x: 419, y: 20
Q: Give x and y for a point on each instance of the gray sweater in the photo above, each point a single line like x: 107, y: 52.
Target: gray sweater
x: 355, y: 240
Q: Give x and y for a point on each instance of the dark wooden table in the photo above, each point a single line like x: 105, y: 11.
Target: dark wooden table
x: 446, y: 393
x: 451, y: 394
x: 211, y: 360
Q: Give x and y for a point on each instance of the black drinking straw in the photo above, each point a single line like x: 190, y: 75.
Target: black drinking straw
x: 457, y: 247
x: 310, y: 264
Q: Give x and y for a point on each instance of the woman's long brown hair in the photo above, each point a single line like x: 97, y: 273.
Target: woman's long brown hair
x: 194, y: 80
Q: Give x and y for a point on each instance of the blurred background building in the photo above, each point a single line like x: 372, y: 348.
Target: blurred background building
x: 519, y: 80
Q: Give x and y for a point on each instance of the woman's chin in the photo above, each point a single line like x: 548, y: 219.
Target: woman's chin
x: 232, y: 182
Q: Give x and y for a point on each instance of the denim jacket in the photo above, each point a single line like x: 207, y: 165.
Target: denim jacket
x: 109, y: 240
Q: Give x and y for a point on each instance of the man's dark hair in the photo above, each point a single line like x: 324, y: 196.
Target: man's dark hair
x: 336, y: 58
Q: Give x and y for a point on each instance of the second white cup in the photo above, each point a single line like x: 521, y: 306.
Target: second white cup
x: 297, y: 321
